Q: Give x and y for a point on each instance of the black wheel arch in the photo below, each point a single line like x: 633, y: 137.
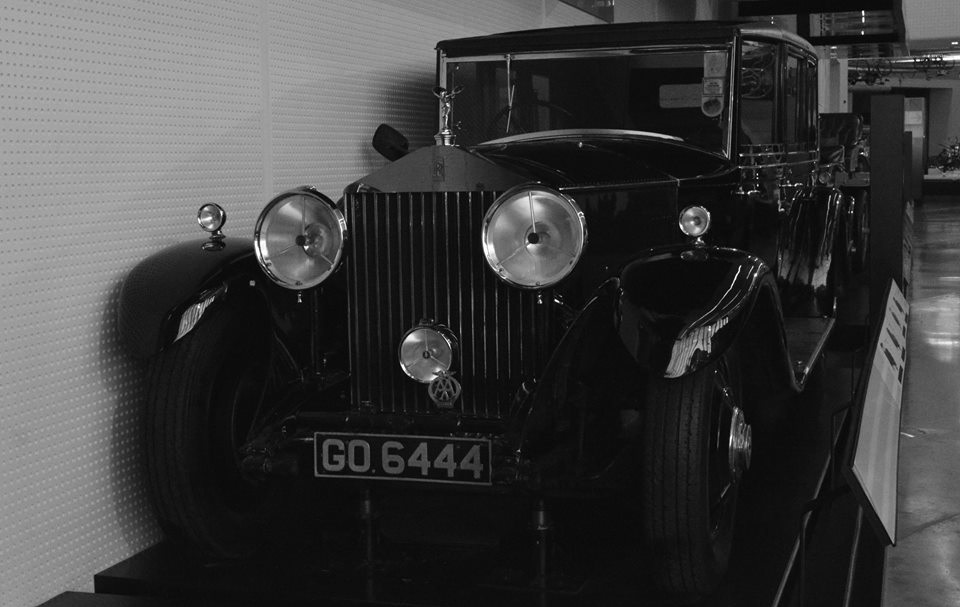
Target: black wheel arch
x: 629, y: 332
x: 681, y: 309
x: 158, y: 290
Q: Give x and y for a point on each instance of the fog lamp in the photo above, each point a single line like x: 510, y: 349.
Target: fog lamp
x: 299, y: 238
x: 426, y: 351
x: 533, y: 236
x: 694, y: 221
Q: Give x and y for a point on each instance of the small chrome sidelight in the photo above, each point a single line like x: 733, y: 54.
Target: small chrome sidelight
x: 695, y: 222
x: 211, y: 218
x: 427, y: 351
x: 825, y: 175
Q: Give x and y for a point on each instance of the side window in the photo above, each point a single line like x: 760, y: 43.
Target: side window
x: 813, y: 109
x: 794, y: 102
x: 800, y: 100
x: 758, y: 64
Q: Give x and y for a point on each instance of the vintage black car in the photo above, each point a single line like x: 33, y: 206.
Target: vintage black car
x: 613, y: 269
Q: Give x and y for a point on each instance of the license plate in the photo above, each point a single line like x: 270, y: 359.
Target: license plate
x: 402, y: 457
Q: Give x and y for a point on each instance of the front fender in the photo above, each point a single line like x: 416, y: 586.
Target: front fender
x: 667, y: 313
x: 570, y: 421
x: 159, y: 289
x: 680, y: 309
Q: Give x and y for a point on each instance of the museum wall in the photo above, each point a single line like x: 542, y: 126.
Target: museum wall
x: 118, y: 119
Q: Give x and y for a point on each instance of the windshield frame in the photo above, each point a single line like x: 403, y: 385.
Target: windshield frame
x: 729, y: 46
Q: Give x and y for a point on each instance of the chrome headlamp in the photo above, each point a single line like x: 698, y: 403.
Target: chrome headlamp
x: 533, y: 236
x: 427, y: 351
x: 299, y: 238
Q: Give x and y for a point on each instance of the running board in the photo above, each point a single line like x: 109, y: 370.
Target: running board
x: 806, y: 338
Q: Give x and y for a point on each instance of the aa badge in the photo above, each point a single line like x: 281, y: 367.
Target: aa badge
x: 444, y: 390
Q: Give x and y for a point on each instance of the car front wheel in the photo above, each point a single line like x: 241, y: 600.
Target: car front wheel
x: 205, y: 393
x: 696, y: 446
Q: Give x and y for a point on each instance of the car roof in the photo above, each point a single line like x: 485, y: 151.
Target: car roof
x: 615, y: 35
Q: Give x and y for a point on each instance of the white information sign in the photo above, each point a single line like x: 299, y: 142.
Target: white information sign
x: 876, y: 453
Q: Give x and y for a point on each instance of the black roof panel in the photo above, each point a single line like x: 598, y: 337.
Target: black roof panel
x: 595, y: 36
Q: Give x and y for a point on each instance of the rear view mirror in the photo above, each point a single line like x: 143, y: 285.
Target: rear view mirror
x: 390, y: 142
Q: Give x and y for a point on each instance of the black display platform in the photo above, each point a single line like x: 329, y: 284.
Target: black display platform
x: 595, y: 560
x: 88, y: 599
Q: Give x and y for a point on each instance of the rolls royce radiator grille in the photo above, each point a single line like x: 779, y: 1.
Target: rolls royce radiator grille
x: 417, y: 256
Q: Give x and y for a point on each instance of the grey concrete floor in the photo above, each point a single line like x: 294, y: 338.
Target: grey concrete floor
x: 923, y: 568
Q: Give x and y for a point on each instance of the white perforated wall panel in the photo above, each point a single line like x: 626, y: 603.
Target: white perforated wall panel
x: 339, y: 68
x: 118, y: 118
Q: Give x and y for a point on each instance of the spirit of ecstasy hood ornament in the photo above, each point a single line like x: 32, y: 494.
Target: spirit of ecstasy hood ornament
x: 445, y: 136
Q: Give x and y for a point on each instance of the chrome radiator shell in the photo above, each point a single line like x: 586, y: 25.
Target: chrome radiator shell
x: 417, y: 256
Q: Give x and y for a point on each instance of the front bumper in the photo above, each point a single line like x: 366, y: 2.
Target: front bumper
x: 292, y: 449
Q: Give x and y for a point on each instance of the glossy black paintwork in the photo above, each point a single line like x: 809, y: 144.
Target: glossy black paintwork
x: 807, y: 246
x: 642, y: 300
x: 682, y: 308
x: 158, y: 289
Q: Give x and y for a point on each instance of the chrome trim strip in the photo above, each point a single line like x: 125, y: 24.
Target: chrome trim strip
x: 780, y: 35
x: 566, y: 133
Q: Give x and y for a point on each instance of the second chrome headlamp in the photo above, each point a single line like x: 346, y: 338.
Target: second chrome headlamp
x: 533, y: 236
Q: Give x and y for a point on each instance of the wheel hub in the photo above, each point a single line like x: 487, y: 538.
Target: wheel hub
x: 741, y: 444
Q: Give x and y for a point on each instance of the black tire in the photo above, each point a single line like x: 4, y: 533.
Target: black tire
x: 689, y: 491
x: 204, y: 393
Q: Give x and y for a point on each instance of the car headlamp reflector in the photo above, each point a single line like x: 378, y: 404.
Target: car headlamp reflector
x: 694, y: 221
x: 533, y: 236
x: 299, y: 238
x: 426, y: 351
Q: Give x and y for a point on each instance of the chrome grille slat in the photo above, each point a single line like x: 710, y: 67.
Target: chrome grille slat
x: 415, y: 256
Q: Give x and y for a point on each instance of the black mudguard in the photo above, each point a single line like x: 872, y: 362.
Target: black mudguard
x: 569, y: 422
x: 157, y: 292
x: 681, y: 309
x: 667, y: 314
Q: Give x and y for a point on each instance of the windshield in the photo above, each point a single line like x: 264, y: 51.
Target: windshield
x: 674, y: 92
